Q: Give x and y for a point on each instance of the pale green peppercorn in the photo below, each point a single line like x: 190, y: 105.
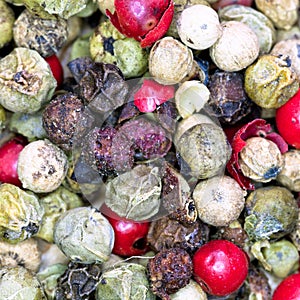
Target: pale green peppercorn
x: 49, y: 9
x: 26, y: 81
x: 2, y: 118
x: 19, y: 283
x: 42, y: 166
x: 21, y: 214
x: 55, y: 204
x: 128, y: 281
x: 84, y: 235
x: 81, y: 47
x: 135, y: 194
x: 270, y: 82
x: 48, y: 278
x: 271, y: 213
x: 7, y: 19
x: 46, y: 36
x: 28, y: 125
x: 256, y: 20
x: 108, y: 45
x: 283, y: 258
x: 90, y: 8
x: 191, y: 291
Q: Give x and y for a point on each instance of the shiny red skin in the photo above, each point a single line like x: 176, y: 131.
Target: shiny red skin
x: 56, y: 68
x: 288, y: 289
x: 144, y: 20
x: 130, y: 236
x: 288, y: 121
x: 9, y: 154
x: 222, y: 3
x: 151, y: 94
x: 220, y: 267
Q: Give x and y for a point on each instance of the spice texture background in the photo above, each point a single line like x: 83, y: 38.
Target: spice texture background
x: 149, y: 149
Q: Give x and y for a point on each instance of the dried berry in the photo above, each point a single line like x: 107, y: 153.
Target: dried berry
x: 61, y: 119
x: 191, y: 291
x: 270, y: 82
x: 7, y: 19
x: 135, y: 194
x: 219, y: 200
x: 26, y: 81
x: 169, y: 271
x: 101, y: 85
x: 21, y: 214
x: 127, y: 281
x: 167, y: 233
x: 228, y: 99
x: 42, y: 166
x: 78, y: 282
x: 199, y: 27
x: 260, y: 159
x: 170, y: 61
x: 46, y: 36
x: 236, y: 49
x: 271, y: 212
x: 84, y: 235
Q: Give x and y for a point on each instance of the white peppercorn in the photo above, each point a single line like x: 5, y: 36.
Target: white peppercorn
x: 191, y: 291
x: 170, y: 61
x: 42, y: 166
x: 260, y: 159
x: 290, y: 173
x: 199, y: 27
x: 236, y: 49
x: 84, y: 235
x: 219, y: 200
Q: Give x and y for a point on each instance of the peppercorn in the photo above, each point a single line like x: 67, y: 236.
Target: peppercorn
x: 45, y: 36
x: 191, y: 291
x: 7, y: 19
x: 228, y: 99
x: 79, y: 281
x: 168, y: 271
x: 42, y: 166
x: 270, y: 82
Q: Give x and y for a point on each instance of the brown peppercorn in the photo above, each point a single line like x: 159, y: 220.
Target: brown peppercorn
x: 167, y: 233
x: 260, y: 159
x: 61, y: 118
x: 228, y: 99
x: 46, y: 36
x: 78, y: 282
x: 169, y: 271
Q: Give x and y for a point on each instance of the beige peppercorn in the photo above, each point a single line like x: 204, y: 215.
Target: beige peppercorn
x: 236, y: 49
x: 260, y: 159
x: 219, y: 200
x: 290, y: 173
x: 170, y: 61
x: 283, y: 13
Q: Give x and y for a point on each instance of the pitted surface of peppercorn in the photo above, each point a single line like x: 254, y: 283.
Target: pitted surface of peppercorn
x: 169, y: 271
x: 78, y: 282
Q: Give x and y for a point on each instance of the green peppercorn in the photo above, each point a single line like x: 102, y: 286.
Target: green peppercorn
x: 270, y: 82
x: 26, y: 81
x: 7, y: 19
x: 271, y: 212
x: 84, y: 235
x: 2, y: 118
x: 21, y: 214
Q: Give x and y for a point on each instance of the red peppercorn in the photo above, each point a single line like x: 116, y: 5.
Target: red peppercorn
x: 220, y: 267
x: 288, y: 121
x: 9, y: 153
x: 56, y: 68
x: 144, y: 20
x: 151, y: 94
x: 288, y: 289
x: 130, y: 236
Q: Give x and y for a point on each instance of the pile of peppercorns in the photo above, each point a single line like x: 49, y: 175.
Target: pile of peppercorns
x: 149, y: 149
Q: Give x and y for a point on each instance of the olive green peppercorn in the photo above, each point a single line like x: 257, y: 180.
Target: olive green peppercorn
x: 7, y: 19
x: 270, y: 82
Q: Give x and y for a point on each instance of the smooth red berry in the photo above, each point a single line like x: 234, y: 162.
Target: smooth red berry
x: 9, y: 154
x: 56, y: 68
x: 220, y: 267
x: 144, y: 20
x: 288, y: 289
x: 151, y: 94
x: 288, y: 121
x: 130, y: 236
